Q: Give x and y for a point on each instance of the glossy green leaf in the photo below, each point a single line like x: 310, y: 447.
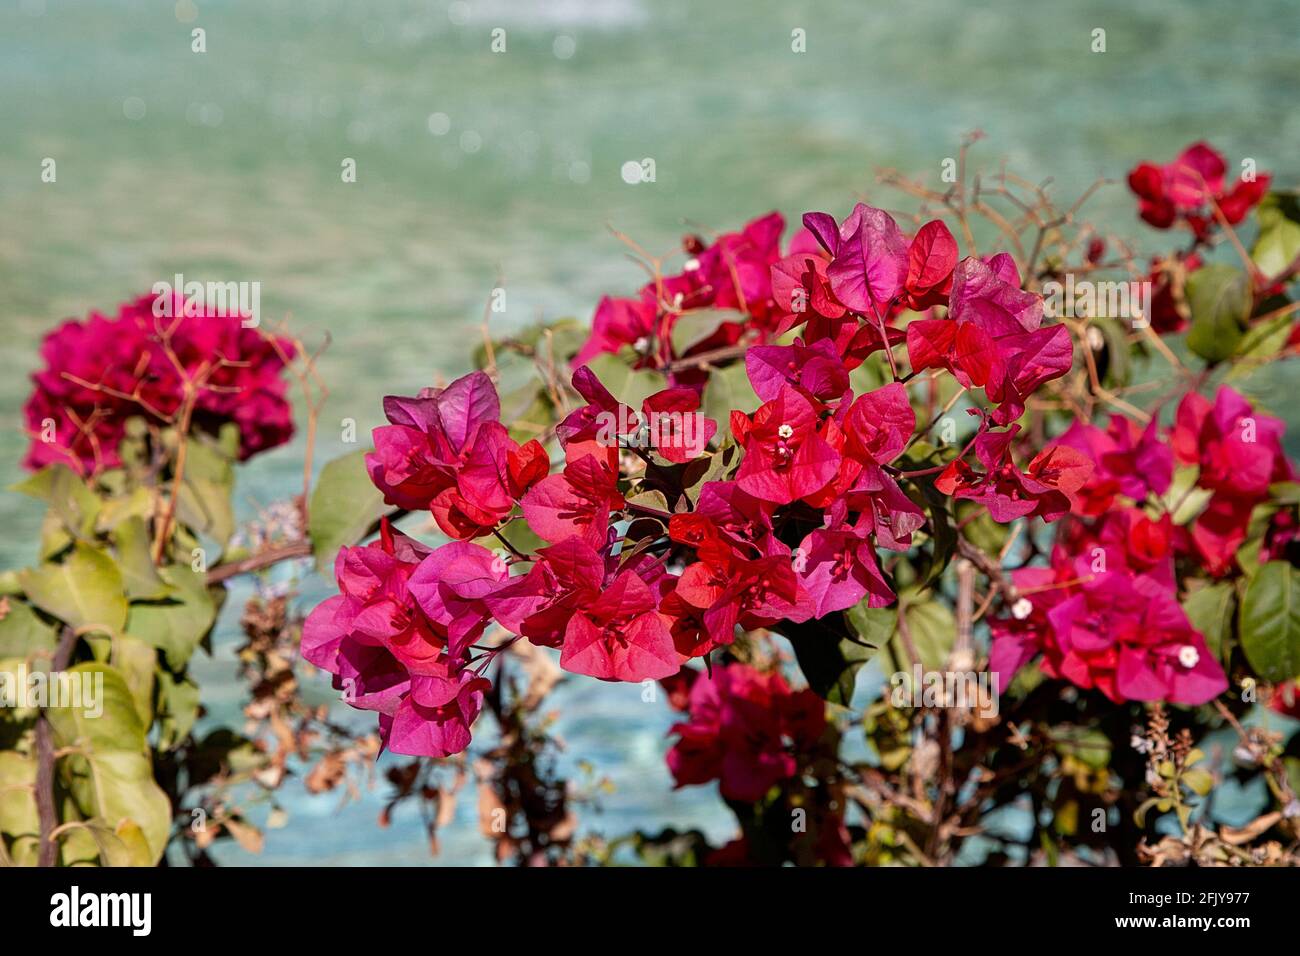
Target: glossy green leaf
x: 1270, y: 622
x: 344, y: 506
x: 1211, y: 610
x: 1219, y: 298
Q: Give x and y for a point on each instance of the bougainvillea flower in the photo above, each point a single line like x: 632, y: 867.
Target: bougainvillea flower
x: 1128, y: 637
x: 1239, y: 454
x: 1186, y: 187
x: 100, y: 372
x: 753, y: 593
x: 1166, y: 275
x: 669, y: 421
x: 931, y: 258
x: 741, y: 516
x: 539, y: 604
x: 1124, y: 539
x: 385, y: 614
x: 1238, y: 449
x: 450, y: 585
x: 576, y: 501
x: 993, y: 337
x: 1009, y: 493
x: 428, y: 438
x: 801, y: 289
x: 869, y: 257
x: 1024, y: 634
x: 420, y: 728
x: 494, y: 473
x: 879, y: 425
x: 619, y: 322
x: 815, y: 370
x: 620, y: 635
x: 1120, y: 633
x: 838, y: 568
x: 737, y: 268
x: 388, y: 655
x: 745, y: 729
x: 785, y: 457
x: 370, y: 677
x: 1127, y: 460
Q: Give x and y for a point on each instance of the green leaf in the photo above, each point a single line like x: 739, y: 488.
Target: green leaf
x: 177, y: 624
x: 117, y: 788
x: 727, y: 389
x: 22, y: 632
x: 1183, y: 499
x: 178, y: 709
x: 528, y: 412
x: 138, y: 504
x: 1219, y: 297
x: 1279, y: 233
x: 136, y: 561
x: 75, y: 505
x: 1087, y: 745
x: 1270, y: 622
x: 110, y: 776
x: 629, y: 385
x: 692, y: 328
x: 933, y: 630
x: 106, y: 719
x: 344, y: 505
x: 831, y: 654
x: 18, y: 816
x: 136, y: 661
x: 1210, y: 611
x: 85, y: 590
x: 1263, y: 341
x: 1200, y: 782
x: 203, y: 503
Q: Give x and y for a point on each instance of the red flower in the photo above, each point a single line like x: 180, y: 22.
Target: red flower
x: 102, y: 371
x: 619, y: 322
x: 1043, y: 491
x: 1120, y: 633
x: 745, y: 729
x: 445, y: 450
x: 620, y: 634
x: 1239, y: 452
x: 993, y: 337
x: 1186, y: 188
x: 753, y: 593
x: 931, y: 259
x: 396, y: 634
x: 578, y: 501
x: 785, y: 457
x: 669, y: 421
x: 1126, y: 459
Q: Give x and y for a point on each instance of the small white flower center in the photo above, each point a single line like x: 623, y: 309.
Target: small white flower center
x: 785, y: 431
x: 1022, y: 609
x: 1188, y: 656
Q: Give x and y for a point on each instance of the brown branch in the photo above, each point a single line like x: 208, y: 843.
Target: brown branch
x: 704, y: 359
x: 46, y: 812
x: 299, y: 549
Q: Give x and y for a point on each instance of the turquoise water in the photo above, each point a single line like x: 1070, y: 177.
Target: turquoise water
x: 472, y: 164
